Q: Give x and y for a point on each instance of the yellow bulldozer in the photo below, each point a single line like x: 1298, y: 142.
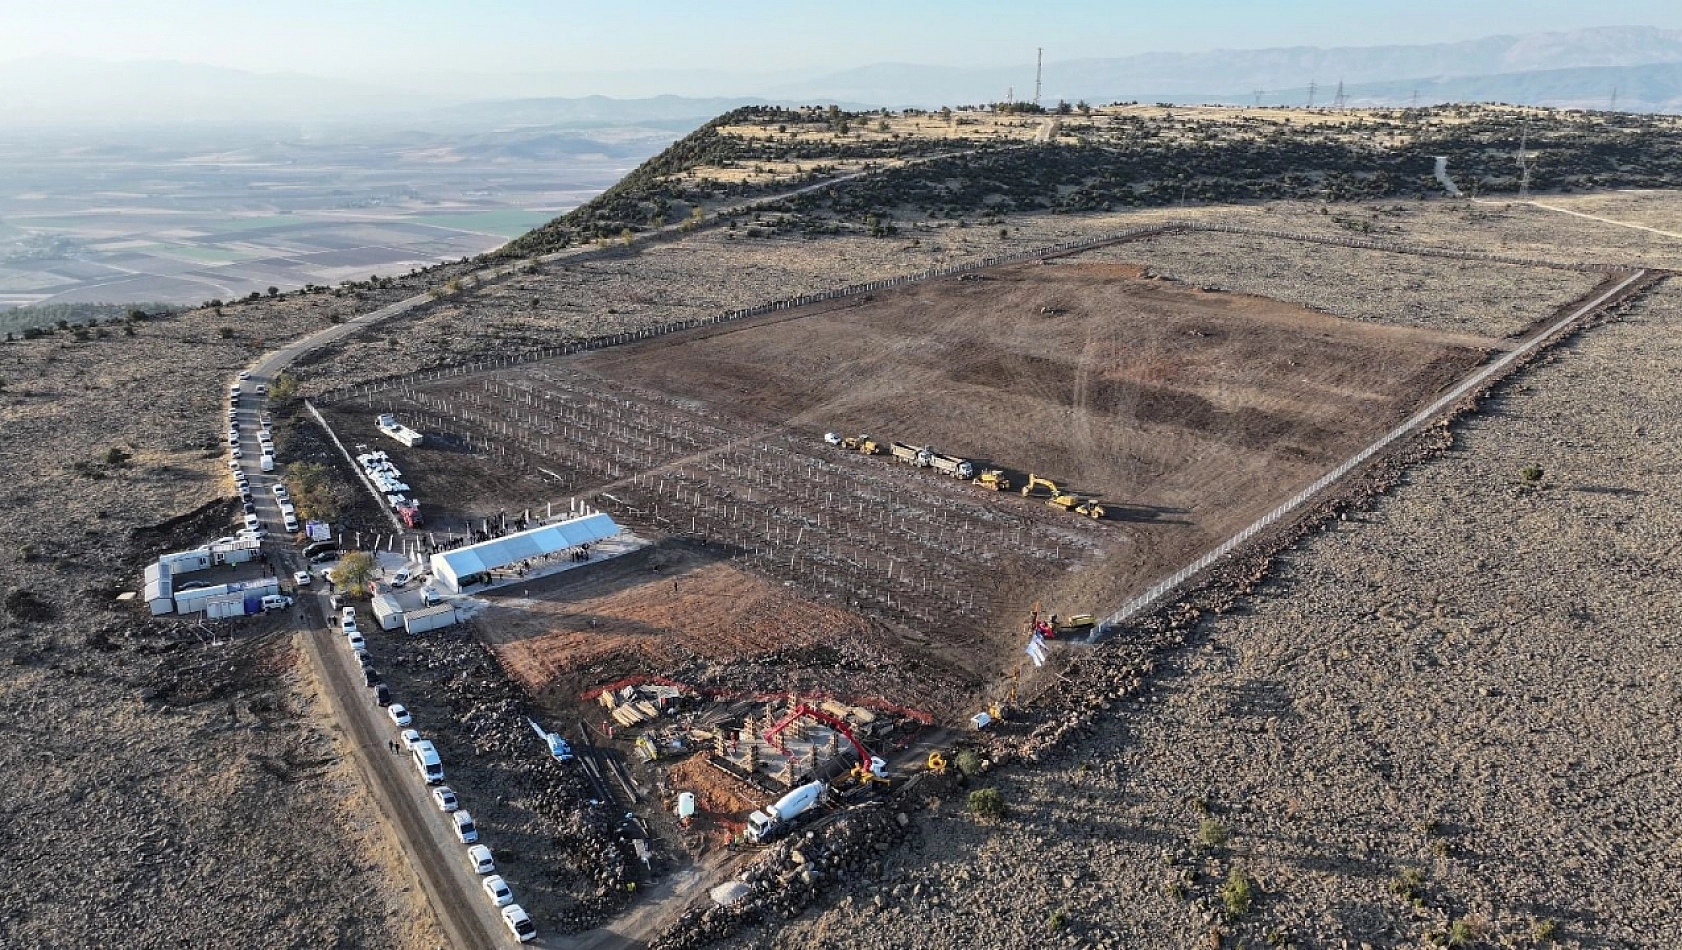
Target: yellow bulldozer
x: 1080, y: 506
x: 994, y: 480
x: 861, y: 443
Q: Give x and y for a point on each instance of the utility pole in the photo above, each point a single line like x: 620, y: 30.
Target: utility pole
x: 1039, y: 70
x: 1312, y: 87
x: 1524, y: 160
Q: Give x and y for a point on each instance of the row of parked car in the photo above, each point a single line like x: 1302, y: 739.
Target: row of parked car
x: 431, y: 769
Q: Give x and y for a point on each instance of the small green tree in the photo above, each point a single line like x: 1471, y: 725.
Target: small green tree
x: 1212, y: 834
x: 116, y: 456
x: 969, y: 763
x: 1237, y: 893
x: 285, y: 386
x: 226, y: 333
x: 355, y: 569
x: 988, y: 804
x: 1532, y: 473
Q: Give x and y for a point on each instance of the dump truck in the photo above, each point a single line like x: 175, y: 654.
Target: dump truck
x: 994, y: 480
x: 910, y: 454
x: 952, y: 465
x: 773, y: 820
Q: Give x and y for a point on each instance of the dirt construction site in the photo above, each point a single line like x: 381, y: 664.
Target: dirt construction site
x: 783, y: 562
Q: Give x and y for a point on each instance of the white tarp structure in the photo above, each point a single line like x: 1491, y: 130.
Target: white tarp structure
x: 454, y: 569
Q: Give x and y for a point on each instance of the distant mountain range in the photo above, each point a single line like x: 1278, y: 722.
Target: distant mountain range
x: 1652, y: 88
x: 1577, y: 68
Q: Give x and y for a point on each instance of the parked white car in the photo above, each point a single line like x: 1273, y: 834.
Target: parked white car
x: 399, y: 714
x: 356, y: 642
x: 518, y: 923
x: 466, y: 831
x: 409, y: 737
x: 302, y: 578
x: 479, y: 858
x: 445, y: 797
x: 497, y: 890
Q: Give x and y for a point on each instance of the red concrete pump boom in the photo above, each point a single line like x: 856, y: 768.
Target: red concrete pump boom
x: 839, y: 726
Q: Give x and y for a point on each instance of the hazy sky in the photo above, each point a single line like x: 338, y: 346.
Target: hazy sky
x: 370, y: 37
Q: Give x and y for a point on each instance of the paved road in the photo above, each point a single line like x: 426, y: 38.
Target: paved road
x: 422, y: 832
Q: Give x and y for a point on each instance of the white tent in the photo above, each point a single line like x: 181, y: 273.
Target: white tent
x: 450, y: 569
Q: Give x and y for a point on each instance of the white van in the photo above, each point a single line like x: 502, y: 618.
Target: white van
x: 427, y: 763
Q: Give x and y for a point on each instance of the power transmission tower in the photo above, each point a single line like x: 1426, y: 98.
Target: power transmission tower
x: 1312, y: 87
x: 1258, y: 97
x: 1039, y: 69
x: 1414, y: 103
x: 1010, y: 95
x: 1614, y: 106
x: 1341, y: 98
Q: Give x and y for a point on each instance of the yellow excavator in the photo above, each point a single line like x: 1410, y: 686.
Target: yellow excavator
x: 994, y: 480
x: 1034, y: 481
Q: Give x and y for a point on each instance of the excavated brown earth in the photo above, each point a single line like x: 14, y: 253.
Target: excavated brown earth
x: 1189, y: 413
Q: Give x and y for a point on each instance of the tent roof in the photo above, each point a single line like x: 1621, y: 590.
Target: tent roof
x: 535, y: 542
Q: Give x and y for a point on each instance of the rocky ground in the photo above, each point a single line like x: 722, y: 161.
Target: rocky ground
x: 161, y: 791
x: 1494, y: 300
x: 721, y: 269
x: 165, y: 791
x: 1447, y: 721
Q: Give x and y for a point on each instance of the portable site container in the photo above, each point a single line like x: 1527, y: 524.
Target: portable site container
x: 430, y: 618
x: 248, y: 593
x: 387, y: 611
